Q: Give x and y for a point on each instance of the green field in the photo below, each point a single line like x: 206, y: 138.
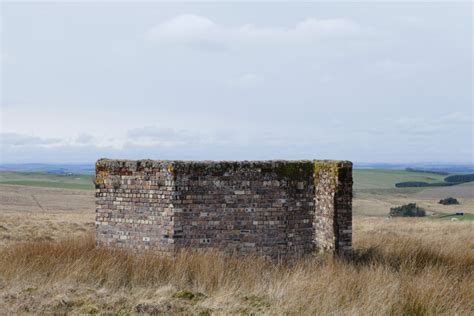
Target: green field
x: 465, y: 217
x: 38, y: 179
x: 386, y: 178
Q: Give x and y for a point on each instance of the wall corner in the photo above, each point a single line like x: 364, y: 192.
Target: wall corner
x: 333, y: 207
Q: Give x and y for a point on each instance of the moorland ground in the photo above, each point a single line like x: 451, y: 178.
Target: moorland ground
x: 49, y: 265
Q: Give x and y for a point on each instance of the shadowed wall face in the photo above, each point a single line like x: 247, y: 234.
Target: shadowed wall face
x: 279, y: 209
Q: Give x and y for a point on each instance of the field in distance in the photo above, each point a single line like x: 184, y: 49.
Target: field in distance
x: 365, y: 179
x: 375, y: 193
x: 49, y: 180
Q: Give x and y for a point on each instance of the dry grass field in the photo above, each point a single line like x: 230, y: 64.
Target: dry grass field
x: 44, y: 214
x: 49, y: 265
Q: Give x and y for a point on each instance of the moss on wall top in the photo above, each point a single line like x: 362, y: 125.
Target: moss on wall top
x: 293, y: 170
x: 335, y: 169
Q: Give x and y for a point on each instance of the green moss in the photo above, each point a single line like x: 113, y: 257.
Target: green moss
x: 28, y: 290
x: 330, y: 166
x: 295, y: 170
x: 188, y: 295
x: 321, y: 256
x: 99, y: 166
x: 90, y: 309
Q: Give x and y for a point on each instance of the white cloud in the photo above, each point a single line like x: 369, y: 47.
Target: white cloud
x: 393, y: 68
x: 6, y: 59
x: 184, y: 28
x: 192, y: 29
x: 314, y: 27
x: 247, y: 80
x: 84, y: 139
x: 455, y: 118
x: 151, y: 135
x: 14, y: 139
x: 447, y: 121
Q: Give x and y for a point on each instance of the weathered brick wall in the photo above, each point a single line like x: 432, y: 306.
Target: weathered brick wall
x: 134, y: 204
x: 278, y: 209
x: 248, y: 207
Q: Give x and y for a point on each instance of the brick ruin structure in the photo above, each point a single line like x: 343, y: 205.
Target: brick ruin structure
x: 278, y: 209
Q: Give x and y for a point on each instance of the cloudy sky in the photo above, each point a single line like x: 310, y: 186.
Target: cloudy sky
x: 368, y: 82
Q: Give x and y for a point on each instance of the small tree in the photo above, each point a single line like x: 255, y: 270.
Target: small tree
x: 449, y: 201
x: 407, y: 210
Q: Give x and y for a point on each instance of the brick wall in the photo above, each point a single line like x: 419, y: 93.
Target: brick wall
x: 278, y: 209
x: 134, y: 204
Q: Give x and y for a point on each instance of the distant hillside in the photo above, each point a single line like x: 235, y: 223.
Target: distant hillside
x: 42, y: 179
x: 368, y: 179
x: 460, y: 178
x: 419, y: 167
x: 51, y: 168
x: 448, y: 181
x: 442, y: 173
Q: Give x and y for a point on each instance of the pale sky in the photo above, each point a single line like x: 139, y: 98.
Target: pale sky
x: 366, y: 82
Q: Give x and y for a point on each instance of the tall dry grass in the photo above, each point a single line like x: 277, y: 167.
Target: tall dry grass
x: 389, y: 274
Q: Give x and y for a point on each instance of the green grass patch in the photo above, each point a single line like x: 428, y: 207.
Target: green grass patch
x: 449, y: 216
x: 366, y: 179
x: 39, y: 179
